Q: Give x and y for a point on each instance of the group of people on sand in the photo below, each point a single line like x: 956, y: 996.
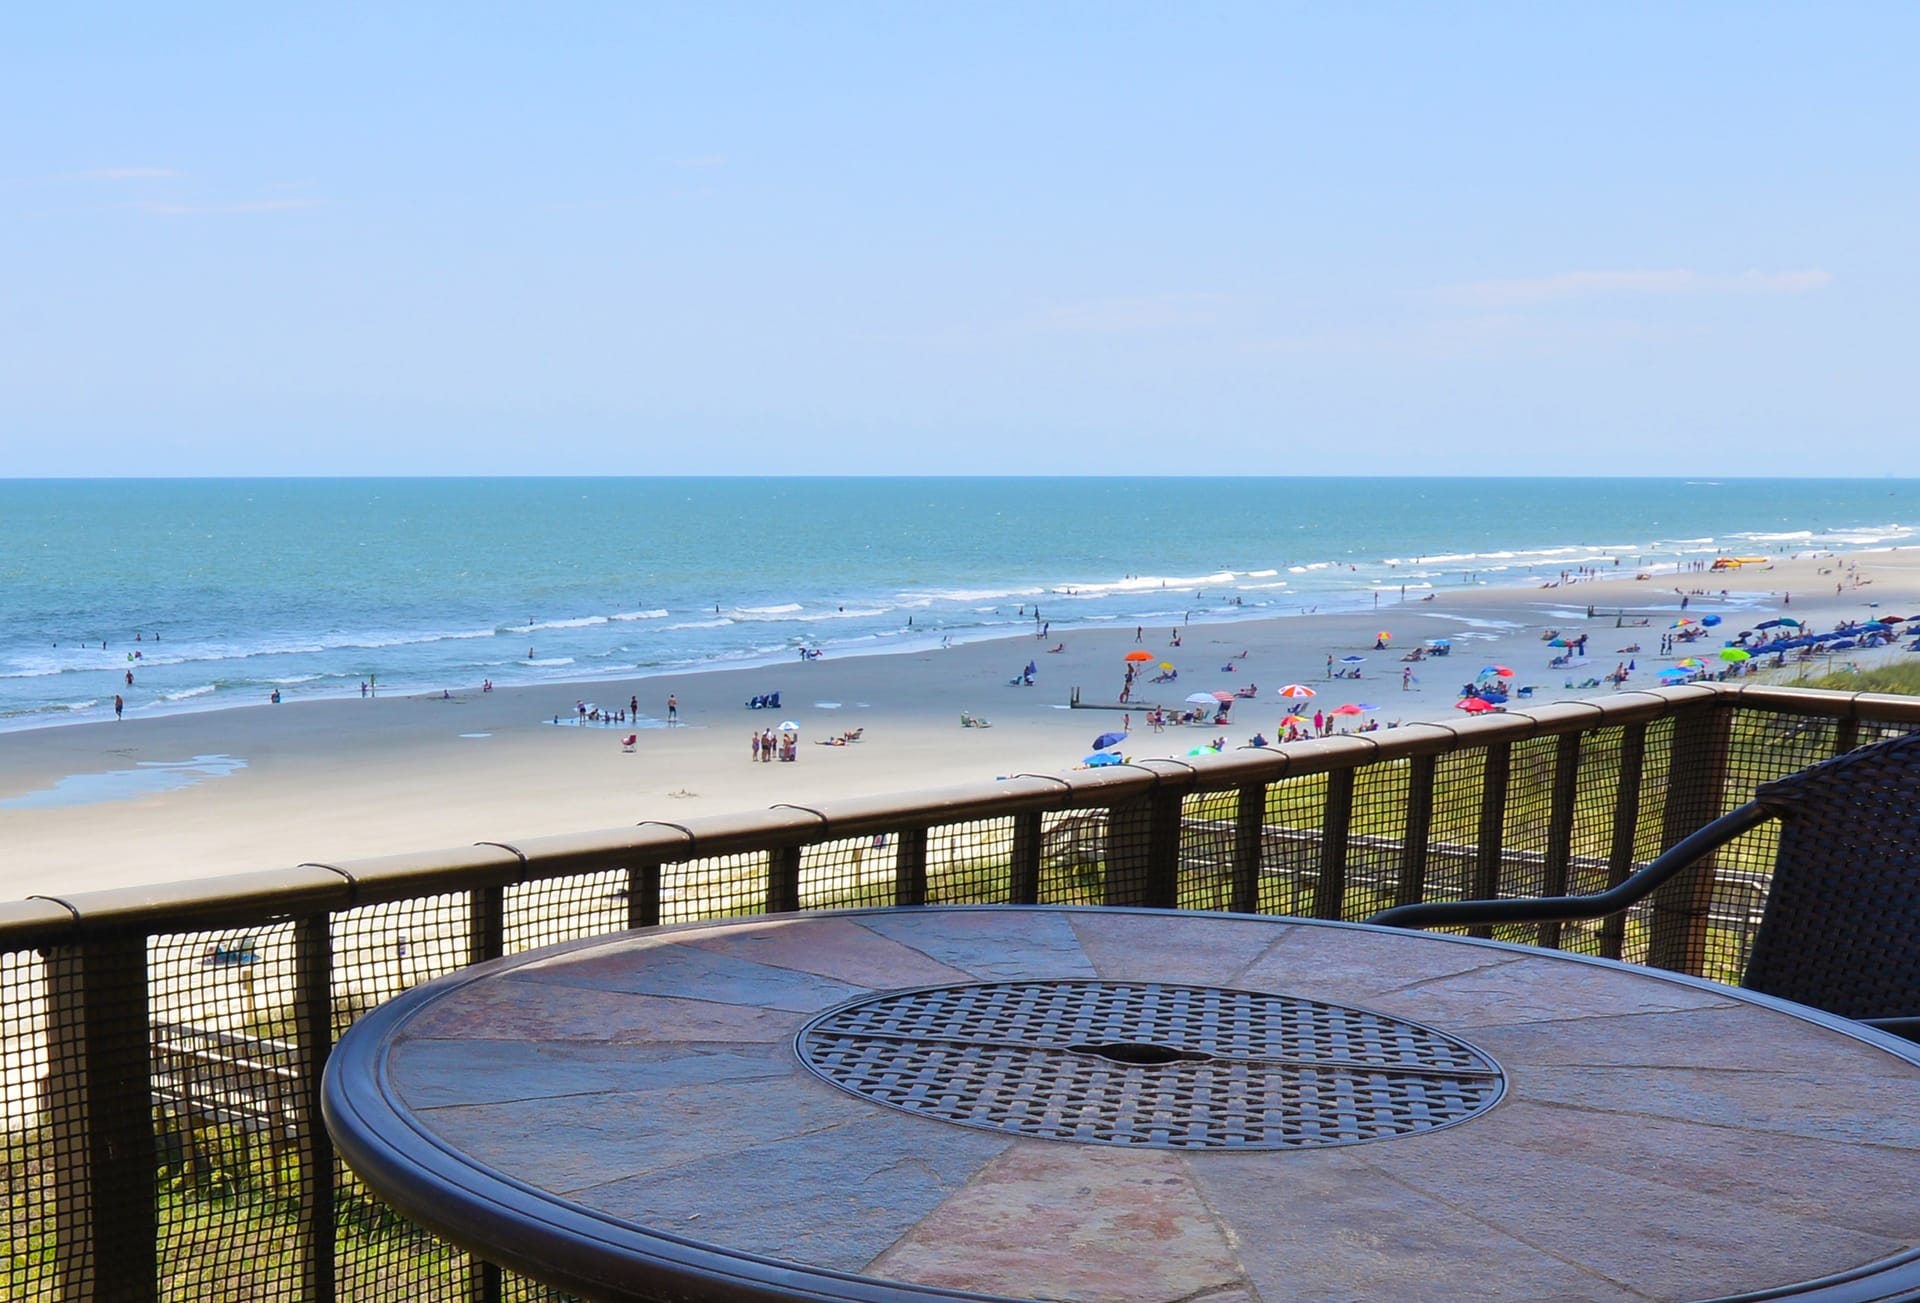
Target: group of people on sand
x: 765, y: 746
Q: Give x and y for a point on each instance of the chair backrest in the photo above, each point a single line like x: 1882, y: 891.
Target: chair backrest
x: 1841, y: 929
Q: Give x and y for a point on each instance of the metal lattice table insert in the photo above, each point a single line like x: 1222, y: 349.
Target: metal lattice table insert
x: 1150, y: 1064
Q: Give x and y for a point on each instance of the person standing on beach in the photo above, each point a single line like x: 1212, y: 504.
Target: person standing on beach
x: 673, y: 710
x: 119, y: 705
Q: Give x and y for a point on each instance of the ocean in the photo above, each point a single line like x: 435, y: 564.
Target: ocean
x: 216, y: 593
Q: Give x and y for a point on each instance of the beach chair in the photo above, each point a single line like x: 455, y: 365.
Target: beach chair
x: 1839, y: 931
x: 628, y: 742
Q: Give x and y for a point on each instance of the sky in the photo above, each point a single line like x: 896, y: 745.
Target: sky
x: 1067, y: 238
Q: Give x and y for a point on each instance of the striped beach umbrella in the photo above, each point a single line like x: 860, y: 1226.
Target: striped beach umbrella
x: 1300, y: 690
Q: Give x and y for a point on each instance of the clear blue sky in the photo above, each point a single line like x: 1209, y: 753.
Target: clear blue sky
x: 1021, y: 238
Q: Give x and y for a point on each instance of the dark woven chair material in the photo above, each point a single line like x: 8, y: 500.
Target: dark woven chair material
x: 1841, y: 927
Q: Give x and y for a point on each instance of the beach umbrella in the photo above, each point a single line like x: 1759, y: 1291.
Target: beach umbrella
x: 1691, y: 662
x: 1500, y: 670
x: 1473, y: 705
x: 1351, y: 660
x: 1166, y: 665
x: 1558, y: 642
x: 1348, y: 709
x: 1674, y: 672
x: 1101, y: 758
x: 1201, y: 698
x: 1709, y: 620
x: 1366, y: 705
x: 1138, y: 656
x: 1296, y: 690
x: 1204, y: 751
x: 1222, y: 695
x: 1791, y: 624
x: 788, y: 726
x: 1683, y: 620
x: 1769, y: 624
x: 1296, y: 720
x: 1382, y: 636
x: 1106, y: 740
x: 1734, y: 654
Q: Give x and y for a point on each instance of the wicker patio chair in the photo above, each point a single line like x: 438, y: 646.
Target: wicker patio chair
x: 1841, y: 928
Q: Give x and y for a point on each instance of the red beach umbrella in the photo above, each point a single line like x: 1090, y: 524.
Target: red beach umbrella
x: 1473, y: 705
x: 1138, y: 656
x: 1348, y: 709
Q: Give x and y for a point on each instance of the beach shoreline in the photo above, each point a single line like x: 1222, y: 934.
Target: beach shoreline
x: 202, y: 794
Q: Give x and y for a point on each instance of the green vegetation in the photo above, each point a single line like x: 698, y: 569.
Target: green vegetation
x: 1901, y: 678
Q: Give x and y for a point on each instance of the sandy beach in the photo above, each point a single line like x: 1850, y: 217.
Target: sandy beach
x: 275, y: 785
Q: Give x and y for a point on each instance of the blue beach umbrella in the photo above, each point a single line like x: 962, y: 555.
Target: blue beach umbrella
x: 1106, y: 740
x: 1101, y: 759
x: 1709, y: 620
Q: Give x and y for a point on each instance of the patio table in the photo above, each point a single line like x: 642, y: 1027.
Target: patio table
x: 1130, y: 1105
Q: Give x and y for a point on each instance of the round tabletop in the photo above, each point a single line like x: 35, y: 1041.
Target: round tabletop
x: 1130, y: 1106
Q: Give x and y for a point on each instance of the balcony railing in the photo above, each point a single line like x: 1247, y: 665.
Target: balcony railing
x: 161, y: 1048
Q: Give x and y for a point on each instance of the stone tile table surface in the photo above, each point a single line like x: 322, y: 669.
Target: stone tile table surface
x: 1131, y: 1106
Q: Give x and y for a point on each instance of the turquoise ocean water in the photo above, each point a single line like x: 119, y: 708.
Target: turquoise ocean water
x: 216, y: 592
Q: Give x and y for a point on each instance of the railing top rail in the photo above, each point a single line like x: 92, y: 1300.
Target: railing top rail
x: 313, y: 888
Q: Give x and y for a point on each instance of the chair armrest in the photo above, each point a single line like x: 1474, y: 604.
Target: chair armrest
x: 1556, y: 909
x: 1907, y: 1027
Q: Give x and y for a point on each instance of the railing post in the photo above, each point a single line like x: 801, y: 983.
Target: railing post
x: 1626, y: 831
x: 910, y: 868
x: 1696, y: 791
x: 99, y: 1082
x: 1249, y: 841
x: 1566, y: 790
x: 1023, y: 884
x: 1410, y: 884
x: 1490, y: 850
x: 486, y: 939
x: 643, y: 895
x: 1336, y: 823
x: 783, y: 880
x: 313, y: 1021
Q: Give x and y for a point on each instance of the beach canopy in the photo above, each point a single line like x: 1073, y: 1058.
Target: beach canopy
x: 1296, y: 690
x: 1138, y: 656
x: 1106, y: 740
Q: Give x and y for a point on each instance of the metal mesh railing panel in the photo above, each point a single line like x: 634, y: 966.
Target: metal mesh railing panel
x: 1073, y: 856
x: 378, y: 952
x: 1376, y: 838
x: 28, y: 1193
x: 1205, y: 871
x: 1452, y: 849
x: 1596, y: 800
x: 970, y: 863
x: 846, y: 873
x: 229, y: 1079
x: 713, y: 887
x: 1290, y: 845
x: 553, y: 910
